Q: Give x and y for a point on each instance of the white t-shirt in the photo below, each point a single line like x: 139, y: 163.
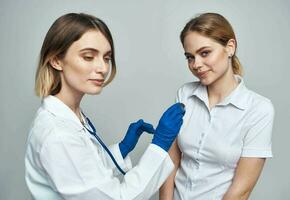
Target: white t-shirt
x: 212, y: 141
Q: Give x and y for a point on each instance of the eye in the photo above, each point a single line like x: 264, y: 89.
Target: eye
x: 107, y: 59
x: 88, y: 58
x: 189, y: 59
x: 204, y: 53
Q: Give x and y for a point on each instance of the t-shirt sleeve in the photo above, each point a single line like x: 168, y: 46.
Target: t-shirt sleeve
x: 185, y: 91
x: 177, y: 97
x: 258, y: 138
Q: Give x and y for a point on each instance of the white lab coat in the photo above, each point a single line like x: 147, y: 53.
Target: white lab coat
x: 63, y: 161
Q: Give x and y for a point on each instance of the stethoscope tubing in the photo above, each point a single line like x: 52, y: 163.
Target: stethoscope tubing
x: 94, y: 133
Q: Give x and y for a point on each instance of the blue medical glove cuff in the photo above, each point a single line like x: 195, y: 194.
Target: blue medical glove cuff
x: 165, y: 146
x: 123, y: 149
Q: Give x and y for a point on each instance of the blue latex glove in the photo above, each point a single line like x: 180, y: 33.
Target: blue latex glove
x: 169, y: 126
x: 133, y: 133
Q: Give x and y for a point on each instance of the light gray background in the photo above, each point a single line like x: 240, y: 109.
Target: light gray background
x: 151, y: 67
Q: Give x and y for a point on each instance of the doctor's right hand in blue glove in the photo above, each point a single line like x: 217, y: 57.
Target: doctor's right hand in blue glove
x: 169, y: 126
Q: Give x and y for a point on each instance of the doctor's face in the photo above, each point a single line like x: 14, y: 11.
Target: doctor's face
x: 207, y: 59
x: 86, y: 64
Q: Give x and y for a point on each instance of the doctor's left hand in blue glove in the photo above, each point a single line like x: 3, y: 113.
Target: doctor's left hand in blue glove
x: 131, y: 138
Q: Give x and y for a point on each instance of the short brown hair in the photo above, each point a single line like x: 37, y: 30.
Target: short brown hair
x: 63, y: 32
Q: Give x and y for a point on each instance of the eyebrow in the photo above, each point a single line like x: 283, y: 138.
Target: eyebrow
x: 197, y: 51
x: 94, y: 50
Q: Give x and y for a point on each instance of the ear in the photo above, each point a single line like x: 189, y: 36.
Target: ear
x: 56, y: 63
x: 231, y: 47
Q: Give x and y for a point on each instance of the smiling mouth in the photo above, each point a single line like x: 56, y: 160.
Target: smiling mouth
x: 202, y: 74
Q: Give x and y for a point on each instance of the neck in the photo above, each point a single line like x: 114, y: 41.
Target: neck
x: 221, y: 88
x: 71, y: 99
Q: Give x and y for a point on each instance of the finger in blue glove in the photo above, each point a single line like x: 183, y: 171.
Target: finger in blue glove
x: 131, y: 138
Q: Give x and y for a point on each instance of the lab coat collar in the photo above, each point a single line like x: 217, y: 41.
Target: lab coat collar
x: 239, y: 96
x: 60, y: 109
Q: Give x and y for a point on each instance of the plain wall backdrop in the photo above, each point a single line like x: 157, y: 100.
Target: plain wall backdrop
x: 151, y: 67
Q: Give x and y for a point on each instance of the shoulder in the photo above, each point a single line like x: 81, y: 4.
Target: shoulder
x: 47, y: 128
x: 188, y: 88
x: 259, y: 108
x: 260, y: 104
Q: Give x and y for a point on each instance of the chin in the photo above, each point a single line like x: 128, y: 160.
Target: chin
x: 94, y: 92
x: 205, y: 81
x: 210, y: 79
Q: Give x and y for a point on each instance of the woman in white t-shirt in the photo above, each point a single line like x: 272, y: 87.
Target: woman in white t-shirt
x: 226, y: 135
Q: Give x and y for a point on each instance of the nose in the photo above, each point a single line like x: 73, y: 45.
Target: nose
x: 102, y: 66
x: 197, y: 63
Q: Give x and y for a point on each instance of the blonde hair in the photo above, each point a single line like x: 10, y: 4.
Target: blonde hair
x: 63, y: 32
x: 216, y: 27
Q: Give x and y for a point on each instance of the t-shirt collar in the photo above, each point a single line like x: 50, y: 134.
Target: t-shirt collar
x: 238, y: 97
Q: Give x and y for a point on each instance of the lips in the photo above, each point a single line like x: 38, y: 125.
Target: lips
x: 98, y: 82
x: 202, y: 74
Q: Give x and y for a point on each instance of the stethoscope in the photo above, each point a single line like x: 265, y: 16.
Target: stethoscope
x: 94, y: 133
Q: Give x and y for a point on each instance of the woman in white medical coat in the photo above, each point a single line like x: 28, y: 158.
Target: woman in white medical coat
x: 65, y: 158
x: 226, y: 135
